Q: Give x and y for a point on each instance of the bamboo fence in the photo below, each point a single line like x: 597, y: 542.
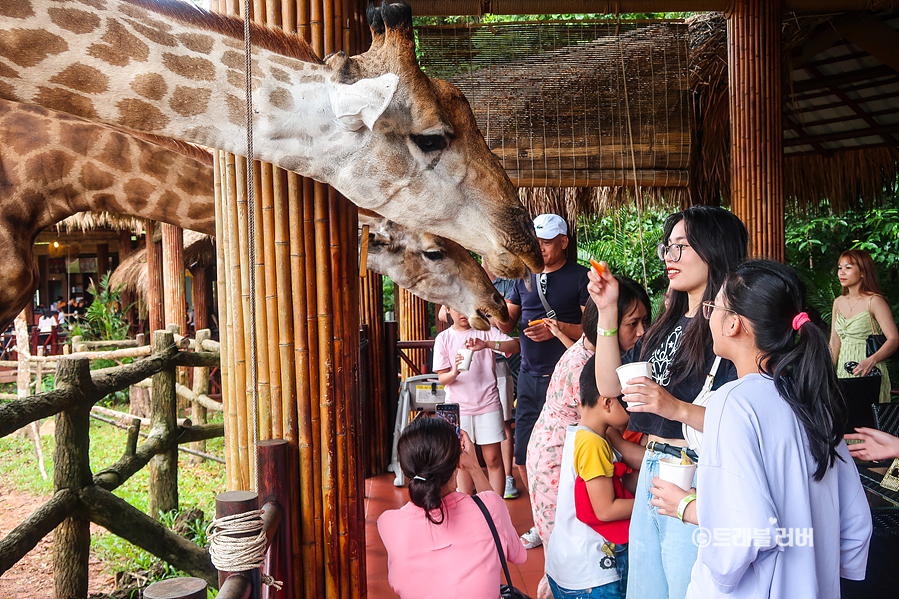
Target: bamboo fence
x: 757, y: 124
x: 307, y: 329
x: 378, y: 429
x: 412, y: 315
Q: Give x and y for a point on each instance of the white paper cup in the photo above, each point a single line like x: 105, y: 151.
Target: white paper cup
x: 465, y: 364
x: 630, y: 371
x: 672, y: 471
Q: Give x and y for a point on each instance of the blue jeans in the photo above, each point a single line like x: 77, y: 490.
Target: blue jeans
x: 622, y: 565
x: 606, y: 591
x: 661, y: 548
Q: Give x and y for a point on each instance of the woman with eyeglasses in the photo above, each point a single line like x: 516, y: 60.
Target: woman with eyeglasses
x: 700, y: 245
x: 782, y: 509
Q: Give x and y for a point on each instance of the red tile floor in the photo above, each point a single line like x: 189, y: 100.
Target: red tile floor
x: 381, y: 495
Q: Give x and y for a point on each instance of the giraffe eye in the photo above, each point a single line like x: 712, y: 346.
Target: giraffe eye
x: 429, y: 143
x: 434, y: 255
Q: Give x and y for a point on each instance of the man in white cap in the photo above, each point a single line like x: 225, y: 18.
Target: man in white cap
x: 558, y: 294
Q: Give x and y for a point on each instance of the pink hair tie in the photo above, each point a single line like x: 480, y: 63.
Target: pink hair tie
x: 800, y: 319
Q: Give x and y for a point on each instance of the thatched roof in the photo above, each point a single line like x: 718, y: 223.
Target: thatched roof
x: 131, y: 274
x: 849, y: 161
x: 91, y: 221
x: 578, y: 112
x: 846, y: 162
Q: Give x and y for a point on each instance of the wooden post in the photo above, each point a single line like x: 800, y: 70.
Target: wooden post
x: 200, y: 387
x: 163, y: 416
x: 173, y: 276
x: 756, y: 109
x: 154, y: 278
x: 200, y: 292
x: 231, y: 503
x: 274, y: 485
x: 177, y: 588
x: 71, y: 470
x: 102, y: 260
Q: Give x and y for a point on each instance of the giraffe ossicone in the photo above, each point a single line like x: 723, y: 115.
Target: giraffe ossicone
x: 172, y: 69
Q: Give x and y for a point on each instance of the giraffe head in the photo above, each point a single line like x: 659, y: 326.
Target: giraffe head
x: 427, y: 138
x: 433, y: 268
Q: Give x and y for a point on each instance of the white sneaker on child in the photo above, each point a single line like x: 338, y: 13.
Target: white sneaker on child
x: 531, y: 539
x: 511, y: 492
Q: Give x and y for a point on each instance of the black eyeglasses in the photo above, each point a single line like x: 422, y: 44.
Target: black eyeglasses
x: 674, y: 250
x: 709, y: 307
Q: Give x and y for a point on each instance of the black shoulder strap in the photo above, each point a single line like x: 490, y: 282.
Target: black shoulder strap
x: 550, y: 313
x: 499, y: 547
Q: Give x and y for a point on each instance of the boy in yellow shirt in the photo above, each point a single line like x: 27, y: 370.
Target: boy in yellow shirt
x: 578, y: 556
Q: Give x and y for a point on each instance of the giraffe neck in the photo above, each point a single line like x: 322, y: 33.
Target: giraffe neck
x: 124, y: 65
x: 55, y: 165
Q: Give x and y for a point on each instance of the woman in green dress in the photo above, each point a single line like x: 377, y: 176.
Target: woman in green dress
x: 860, y: 311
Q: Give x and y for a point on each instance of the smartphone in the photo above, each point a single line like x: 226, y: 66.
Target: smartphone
x: 450, y: 413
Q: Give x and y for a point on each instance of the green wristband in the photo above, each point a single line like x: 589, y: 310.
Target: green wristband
x: 682, y: 506
x: 601, y: 332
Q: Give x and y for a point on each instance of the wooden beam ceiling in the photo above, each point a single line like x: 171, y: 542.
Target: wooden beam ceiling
x: 445, y: 8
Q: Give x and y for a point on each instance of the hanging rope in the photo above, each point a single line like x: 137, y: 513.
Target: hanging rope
x: 630, y: 137
x: 232, y: 553
x: 251, y: 235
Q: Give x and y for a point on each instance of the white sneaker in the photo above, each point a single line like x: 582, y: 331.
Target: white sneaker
x: 531, y: 539
x: 511, y: 492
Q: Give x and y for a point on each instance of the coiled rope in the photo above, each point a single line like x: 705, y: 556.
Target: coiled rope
x: 233, y: 553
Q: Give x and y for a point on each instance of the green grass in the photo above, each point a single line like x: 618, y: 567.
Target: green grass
x: 197, y: 485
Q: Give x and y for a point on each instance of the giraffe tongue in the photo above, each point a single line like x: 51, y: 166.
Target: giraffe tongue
x: 527, y: 279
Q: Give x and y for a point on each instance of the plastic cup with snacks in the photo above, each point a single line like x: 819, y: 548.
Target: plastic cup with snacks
x: 630, y: 371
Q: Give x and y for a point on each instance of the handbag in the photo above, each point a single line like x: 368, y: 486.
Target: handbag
x: 693, y: 436
x: 506, y: 591
x: 874, y: 341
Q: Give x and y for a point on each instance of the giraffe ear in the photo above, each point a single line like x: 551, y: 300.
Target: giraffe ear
x: 360, y: 104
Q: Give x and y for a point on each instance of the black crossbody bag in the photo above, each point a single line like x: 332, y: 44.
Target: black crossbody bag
x: 506, y: 591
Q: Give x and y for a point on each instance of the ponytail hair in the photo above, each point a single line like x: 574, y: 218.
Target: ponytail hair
x: 428, y: 451
x: 795, y: 353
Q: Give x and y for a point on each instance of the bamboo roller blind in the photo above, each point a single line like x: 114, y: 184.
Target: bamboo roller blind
x: 556, y: 100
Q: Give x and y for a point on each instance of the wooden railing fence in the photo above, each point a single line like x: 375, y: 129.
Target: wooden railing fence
x: 80, y: 496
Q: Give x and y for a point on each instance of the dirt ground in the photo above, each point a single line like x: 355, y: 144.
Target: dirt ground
x: 32, y: 576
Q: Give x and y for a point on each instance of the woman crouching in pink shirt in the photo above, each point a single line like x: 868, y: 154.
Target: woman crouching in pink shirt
x: 439, y: 544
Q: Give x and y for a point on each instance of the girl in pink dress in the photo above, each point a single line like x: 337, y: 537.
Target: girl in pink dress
x: 544, y: 456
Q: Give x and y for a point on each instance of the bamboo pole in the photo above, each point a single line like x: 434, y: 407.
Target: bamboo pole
x: 326, y: 392
x: 222, y: 310
x: 155, y: 308
x: 238, y: 316
x: 756, y: 124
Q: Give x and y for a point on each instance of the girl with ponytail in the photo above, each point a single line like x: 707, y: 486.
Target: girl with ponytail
x: 439, y: 544
x: 781, y: 501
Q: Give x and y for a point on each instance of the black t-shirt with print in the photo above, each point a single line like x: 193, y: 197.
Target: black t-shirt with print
x: 685, y: 390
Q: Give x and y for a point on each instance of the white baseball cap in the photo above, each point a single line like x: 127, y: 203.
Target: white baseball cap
x: 550, y: 226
